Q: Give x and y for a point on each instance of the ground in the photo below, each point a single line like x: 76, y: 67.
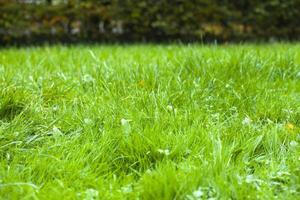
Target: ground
x: 150, y: 122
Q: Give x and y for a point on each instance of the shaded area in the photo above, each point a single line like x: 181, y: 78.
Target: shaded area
x: 70, y: 21
x: 9, y: 109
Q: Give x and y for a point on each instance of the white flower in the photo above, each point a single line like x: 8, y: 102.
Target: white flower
x: 198, y: 193
x: 88, y: 78
x: 166, y: 152
x: 170, y: 108
x: 127, y: 188
x: 56, y: 132
x: 250, y: 179
x: 87, y: 121
x: 126, y: 126
x: 91, y: 194
x: 293, y: 143
x: 55, y: 108
x: 124, y: 122
x: 246, y: 121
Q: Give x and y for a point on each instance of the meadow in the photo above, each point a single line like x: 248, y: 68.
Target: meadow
x: 150, y: 122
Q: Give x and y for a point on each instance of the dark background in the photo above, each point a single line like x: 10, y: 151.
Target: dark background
x: 77, y: 21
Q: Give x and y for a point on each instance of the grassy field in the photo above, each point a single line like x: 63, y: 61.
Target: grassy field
x: 150, y: 122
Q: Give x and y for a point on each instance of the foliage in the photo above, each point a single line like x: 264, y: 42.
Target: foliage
x: 147, y: 20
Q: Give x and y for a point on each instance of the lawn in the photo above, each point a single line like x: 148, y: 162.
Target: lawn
x: 150, y: 122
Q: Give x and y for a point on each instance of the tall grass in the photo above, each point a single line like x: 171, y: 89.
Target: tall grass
x: 150, y: 122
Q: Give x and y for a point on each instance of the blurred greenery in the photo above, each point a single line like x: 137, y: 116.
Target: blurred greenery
x: 35, y: 21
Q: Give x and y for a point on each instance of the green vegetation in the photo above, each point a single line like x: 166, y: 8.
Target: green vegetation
x: 150, y: 122
x: 147, y: 20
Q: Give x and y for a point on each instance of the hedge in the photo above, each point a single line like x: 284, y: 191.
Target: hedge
x: 38, y: 21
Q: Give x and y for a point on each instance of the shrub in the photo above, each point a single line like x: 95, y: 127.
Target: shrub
x: 38, y: 21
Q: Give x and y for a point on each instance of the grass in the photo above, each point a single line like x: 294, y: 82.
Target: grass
x: 150, y: 122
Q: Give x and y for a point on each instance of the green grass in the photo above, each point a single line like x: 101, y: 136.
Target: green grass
x: 150, y: 122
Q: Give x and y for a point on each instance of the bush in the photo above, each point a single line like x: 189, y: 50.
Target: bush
x: 147, y: 20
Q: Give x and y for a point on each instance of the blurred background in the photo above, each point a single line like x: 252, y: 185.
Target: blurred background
x: 25, y: 22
